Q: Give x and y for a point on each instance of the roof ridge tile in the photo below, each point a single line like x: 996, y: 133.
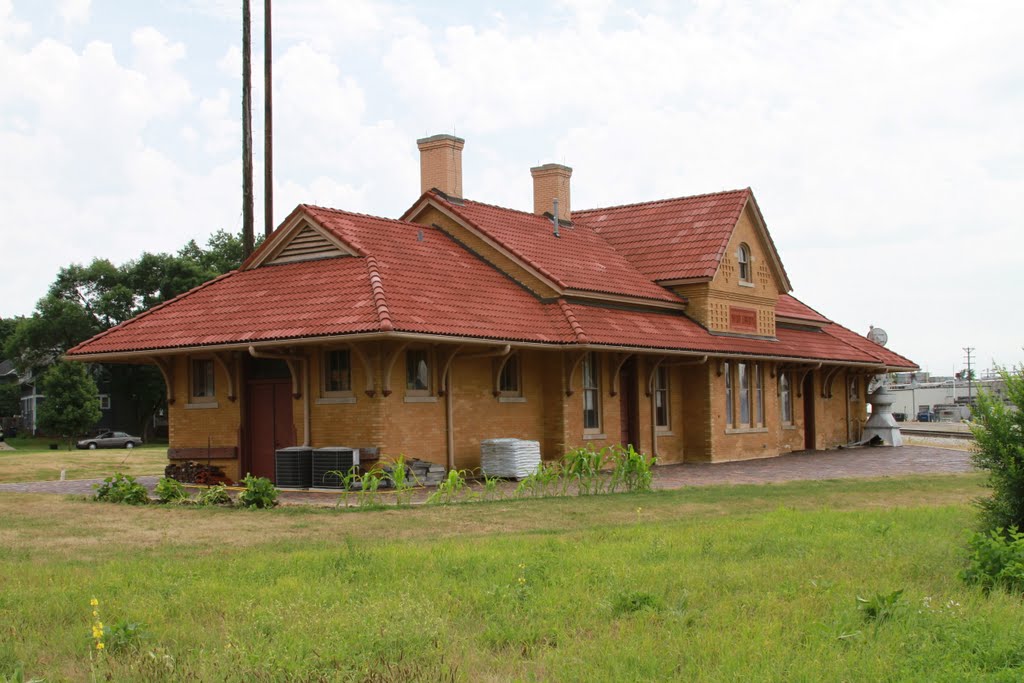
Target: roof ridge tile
x: 577, y: 329
x: 652, y: 202
x: 380, y: 302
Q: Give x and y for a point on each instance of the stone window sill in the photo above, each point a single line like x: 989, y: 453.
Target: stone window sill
x: 789, y: 427
x: 746, y: 284
x: 332, y: 400
x: 211, y: 405
x: 511, y: 399
x: 420, y: 399
x: 746, y: 430
x: 661, y: 431
x: 593, y: 436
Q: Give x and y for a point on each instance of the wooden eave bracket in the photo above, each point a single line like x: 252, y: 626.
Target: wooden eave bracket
x: 226, y: 360
x: 370, y: 389
x: 828, y: 380
x: 499, y: 367
x: 803, y: 376
x: 389, y: 364
x: 615, y: 372
x: 446, y: 367
x: 167, y: 370
x: 570, y: 371
x: 650, y: 376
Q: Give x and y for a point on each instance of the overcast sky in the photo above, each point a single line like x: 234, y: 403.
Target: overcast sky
x: 884, y: 141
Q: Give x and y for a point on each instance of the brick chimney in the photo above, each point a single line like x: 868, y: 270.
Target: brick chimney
x: 551, y: 182
x: 441, y: 164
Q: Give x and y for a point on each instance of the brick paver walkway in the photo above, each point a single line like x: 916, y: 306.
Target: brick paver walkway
x: 839, y: 464
x: 71, y: 487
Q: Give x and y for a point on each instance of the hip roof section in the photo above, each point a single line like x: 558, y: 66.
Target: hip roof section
x: 671, y: 239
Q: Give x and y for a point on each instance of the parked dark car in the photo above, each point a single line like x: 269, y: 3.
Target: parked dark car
x: 110, y: 440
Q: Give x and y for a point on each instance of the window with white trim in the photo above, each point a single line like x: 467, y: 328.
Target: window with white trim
x: 743, y: 370
x: 758, y: 394
x: 417, y: 372
x: 203, y: 387
x: 104, y: 401
x: 591, y: 393
x: 728, y: 394
x: 510, y: 381
x: 786, y: 398
x: 743, y: 261
x: 337, y: 373
x: 661, y: 395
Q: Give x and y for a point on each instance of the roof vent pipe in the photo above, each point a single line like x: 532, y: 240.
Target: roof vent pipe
x: 554, y: 217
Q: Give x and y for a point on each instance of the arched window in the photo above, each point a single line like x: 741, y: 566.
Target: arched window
x: 743, y: 258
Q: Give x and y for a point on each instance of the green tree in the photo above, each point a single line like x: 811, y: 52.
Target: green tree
x: 85, y: 300
x: 999, y: 436
x: 72, y: 404
x: 10, y: 400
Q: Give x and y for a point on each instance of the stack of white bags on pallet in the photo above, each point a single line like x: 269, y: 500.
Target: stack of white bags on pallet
x: 509, y: 458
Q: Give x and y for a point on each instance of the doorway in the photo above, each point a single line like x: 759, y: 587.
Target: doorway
x: 269, y: 423
x: 808, y: 391
x: 628, y: 404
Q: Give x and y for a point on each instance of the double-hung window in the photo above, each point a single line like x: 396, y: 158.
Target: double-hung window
x: 591, y: 393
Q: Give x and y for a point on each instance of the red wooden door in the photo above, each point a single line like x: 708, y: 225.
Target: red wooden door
x: 809, y: 432
x: 628, y: 405
x: 270, y: 424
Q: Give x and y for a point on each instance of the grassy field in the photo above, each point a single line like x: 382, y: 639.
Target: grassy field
x: 32, y: 460
x: 718, y: 583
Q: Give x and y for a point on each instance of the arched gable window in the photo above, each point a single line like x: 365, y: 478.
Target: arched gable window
x: 743, y: 258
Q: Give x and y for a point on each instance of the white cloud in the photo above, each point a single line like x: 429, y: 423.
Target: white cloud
x: 74, y: 11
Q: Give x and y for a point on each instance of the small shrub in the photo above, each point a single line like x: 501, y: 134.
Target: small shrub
x: 583, y: 466
x: 170, y: 491
x: 450, y: 488
x: 999, y: 449
x: 121, y: 488
x: 215, y: 495
x: 880, y: 608
x: 259, y: 493
x: 125, y: 636
x: 399, y: 475
x: 628, y: 603
x: 631, y: 470
x: 542, y: 482
x: 369, y: 485
x: 997, y: 559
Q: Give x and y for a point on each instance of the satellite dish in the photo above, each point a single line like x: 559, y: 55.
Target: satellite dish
x: 878, y: 335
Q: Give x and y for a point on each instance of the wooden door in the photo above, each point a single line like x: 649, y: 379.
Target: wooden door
x: 808, y: 391
x: 628, y: 405
x: 269, y: 422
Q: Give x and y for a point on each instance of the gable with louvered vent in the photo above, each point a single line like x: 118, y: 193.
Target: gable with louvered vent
x: 307, y: 244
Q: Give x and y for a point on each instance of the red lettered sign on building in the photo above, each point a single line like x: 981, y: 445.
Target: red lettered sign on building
x: 742, y: 319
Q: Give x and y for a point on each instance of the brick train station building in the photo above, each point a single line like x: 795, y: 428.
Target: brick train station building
x: 666, y: 324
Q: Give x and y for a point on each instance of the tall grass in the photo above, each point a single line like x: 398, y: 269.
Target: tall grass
x: 736, y: 592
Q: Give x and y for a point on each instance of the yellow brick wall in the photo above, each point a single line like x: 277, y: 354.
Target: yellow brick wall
x: 204, y: 427
x: 431, y: 216
x: 418, y: 429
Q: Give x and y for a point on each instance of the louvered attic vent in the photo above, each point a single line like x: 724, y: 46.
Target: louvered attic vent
x: 308, y: 244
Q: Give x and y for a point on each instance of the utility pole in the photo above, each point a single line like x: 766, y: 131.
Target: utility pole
x: 248, y: 238
x: 268, y: 127
x: 970, y: 374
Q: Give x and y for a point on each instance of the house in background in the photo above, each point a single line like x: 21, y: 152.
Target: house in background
x: 668, y: 325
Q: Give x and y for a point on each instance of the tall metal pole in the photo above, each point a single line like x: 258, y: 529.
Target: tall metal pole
x: 970, y: 379
x: 248, y: 238
x: 268, y: 126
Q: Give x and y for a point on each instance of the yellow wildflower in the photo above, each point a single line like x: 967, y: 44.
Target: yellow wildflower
x: 99, y: 646
x: 95, y: 613
x: 94, y: 602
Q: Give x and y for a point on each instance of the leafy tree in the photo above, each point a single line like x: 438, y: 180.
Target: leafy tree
x: 87, y: 299
x: 7, y: 326
x: 10, y: 400
x: 999, y: 436
x: 72, y: 404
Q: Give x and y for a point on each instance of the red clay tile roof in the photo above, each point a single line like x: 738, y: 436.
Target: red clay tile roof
x: 415, y: 278
x: 578, y: 259
x: 791, y: 307
x: 671, y: 239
